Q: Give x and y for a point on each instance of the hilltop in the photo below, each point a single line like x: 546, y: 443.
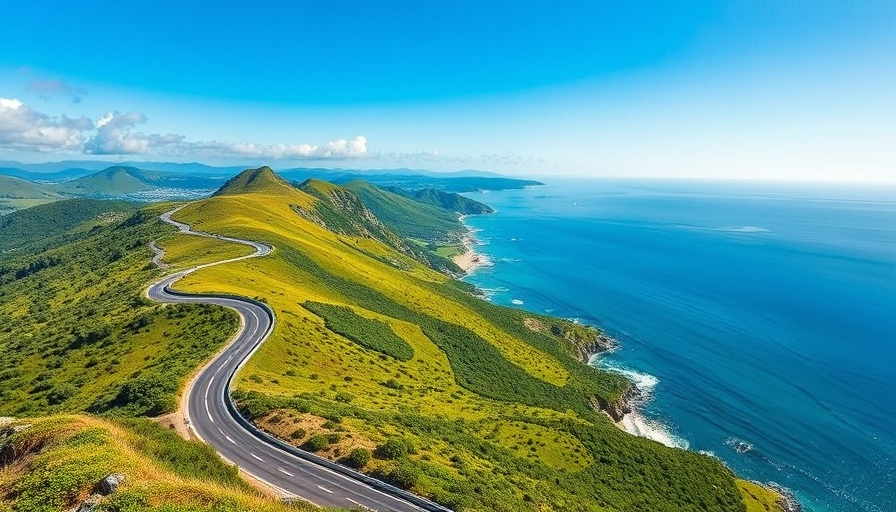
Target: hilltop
x: 260, y: 180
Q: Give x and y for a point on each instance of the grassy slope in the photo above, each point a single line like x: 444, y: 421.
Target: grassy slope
x: 54, y: 465
x: 446, y: 200
x: 183, y: 251
x: 76, y: 334
x: 16, y: 194
x: 16, y: 188
x: 49, y: 220
x: 472, y: 451
x: 113, y: 181
x: 408, y: 217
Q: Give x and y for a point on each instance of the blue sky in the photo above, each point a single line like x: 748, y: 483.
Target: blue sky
x: 738, y: 89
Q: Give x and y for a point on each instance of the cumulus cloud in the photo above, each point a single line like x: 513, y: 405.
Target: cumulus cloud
x: 115, y: 135
x: 24, y: 128
x: 354, y: 148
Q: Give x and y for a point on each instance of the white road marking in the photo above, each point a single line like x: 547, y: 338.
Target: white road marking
x: 324, y: 489
x: 353, y: 501
x: 256, y: 456
x: 285, y: 472
x: 231, y: 440
x: 220, y: 431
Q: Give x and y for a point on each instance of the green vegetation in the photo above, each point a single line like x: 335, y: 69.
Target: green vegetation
x: 758, y: 498
x: 113, y: 181
x: 56, y: 462
x: 261, y: 180
x: 366, y: 332
x: 445, y: 200
x: 75, y: 332
x: 16, y: 188
x: 499, y: 416
x: 357, y: 458
x: 342, y: 211
x: 17, y: 193
x: 476, y: 408
x: 40, y: 223
x: 408, y: 217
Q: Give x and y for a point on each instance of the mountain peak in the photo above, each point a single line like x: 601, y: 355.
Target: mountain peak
x: 262, y: 179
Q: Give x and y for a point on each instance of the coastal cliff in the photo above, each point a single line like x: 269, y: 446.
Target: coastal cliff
x: 583, y: 342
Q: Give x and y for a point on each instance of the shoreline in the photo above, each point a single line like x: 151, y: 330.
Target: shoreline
x: 469, y: 260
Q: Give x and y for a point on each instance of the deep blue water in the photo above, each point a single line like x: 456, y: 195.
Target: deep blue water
x: 759, y: 316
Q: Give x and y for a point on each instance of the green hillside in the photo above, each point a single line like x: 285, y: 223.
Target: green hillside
x: 54, y: 464
x: 446, y: 200
x: 408, y: 217
x: 15, y: 188
x: 261, y: 180
x: 375, y: 360
x: 341, y: 211
x: 474, y: 406
x: 41, y: 223
x: 112, y: 181
x: 17, y: 193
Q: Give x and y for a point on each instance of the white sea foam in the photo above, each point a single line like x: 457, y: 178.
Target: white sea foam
x: 636, y: 424
x: 645, y: 382
x: 742, y: 229
x: 518, y: 302
x: 738, y: 445
x: 489, y: 293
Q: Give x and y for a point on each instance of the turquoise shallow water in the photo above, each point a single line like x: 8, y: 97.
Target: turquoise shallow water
x: 759, y: 319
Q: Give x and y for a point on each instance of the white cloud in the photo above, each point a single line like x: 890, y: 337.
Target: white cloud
x: 24, y: 128
x: 115, y: 135
x: 354, y: 148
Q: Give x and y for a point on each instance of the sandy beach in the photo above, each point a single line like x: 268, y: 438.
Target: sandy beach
x: 469, y: 260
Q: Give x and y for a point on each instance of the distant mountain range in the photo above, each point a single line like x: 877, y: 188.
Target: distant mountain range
x: 24, y: 185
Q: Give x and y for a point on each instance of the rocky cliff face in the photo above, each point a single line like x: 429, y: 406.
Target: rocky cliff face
x: 583, y: 342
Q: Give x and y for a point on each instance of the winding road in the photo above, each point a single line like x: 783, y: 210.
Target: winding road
x: 212, y: 416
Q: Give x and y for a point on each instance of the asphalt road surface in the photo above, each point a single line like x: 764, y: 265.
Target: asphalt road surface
x: 214, y: 420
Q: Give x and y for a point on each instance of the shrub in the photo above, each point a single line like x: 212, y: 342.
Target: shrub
x: 357, y: 458
x: 317, y: 443
x: 394, y: 448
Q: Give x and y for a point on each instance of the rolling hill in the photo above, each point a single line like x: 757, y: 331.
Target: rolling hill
x: 111, y: 182
x: 408, y: 217
x: 40, y: 224
x: 375, y: 360
x: 450, y: 201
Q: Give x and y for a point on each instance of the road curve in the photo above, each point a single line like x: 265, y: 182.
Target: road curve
x: 211, y: 415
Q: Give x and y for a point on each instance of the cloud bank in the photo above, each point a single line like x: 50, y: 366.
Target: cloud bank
x: 24, y: 129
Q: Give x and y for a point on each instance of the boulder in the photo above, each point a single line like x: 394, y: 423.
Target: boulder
x: 110, y: 484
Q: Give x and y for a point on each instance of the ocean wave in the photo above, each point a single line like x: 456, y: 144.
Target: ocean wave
x: 738, y: 445
x: 489, y: 293
x: 645, y: 382
x: 636, y: 424
x: 742, y: 229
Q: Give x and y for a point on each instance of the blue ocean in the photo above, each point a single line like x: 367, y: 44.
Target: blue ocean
x: 759, y: 320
